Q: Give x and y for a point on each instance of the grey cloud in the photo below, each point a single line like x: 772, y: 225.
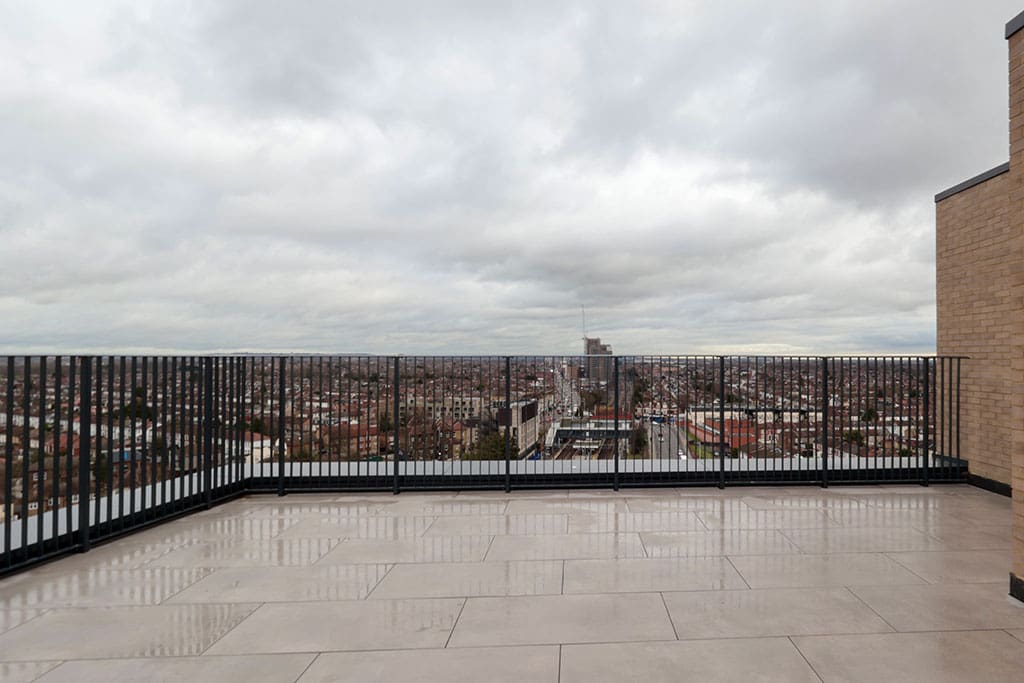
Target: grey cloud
x: 460, y: 177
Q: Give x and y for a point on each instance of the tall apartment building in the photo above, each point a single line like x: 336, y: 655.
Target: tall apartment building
x: 597, y: 369
x: 979, y: 259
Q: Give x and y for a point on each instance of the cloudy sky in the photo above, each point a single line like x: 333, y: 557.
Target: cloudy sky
x: 459, y: 176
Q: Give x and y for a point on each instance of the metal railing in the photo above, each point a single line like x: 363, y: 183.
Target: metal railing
x: 94, y: 446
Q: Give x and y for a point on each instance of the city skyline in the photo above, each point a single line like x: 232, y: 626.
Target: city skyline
x: 248, y: 177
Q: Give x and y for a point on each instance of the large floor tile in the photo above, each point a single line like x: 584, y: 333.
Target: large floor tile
x: 295, y: 552
x: 720, y: 542
x: 284, y: 584
x: 573, y: 546
x: 625, y: 522
x: 161, y: 631
x: 945, y: 607
x: 807, y: 571
x: 957, y: 566
x: 499, y: 525
x: 453, y: 665
x: 464, y: 579
x: 759, y: 659
x: 425, y: 549
x: 247, y: 669
x: 651, y: 575
x: 773, y: 612
x: 911, y: 657
x: 338, y: 626
x: 100, y: 587
x: 861, y: 540
x: 562, y: 619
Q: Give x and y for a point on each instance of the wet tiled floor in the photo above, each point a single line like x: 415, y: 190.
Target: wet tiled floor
x: 786, y: 584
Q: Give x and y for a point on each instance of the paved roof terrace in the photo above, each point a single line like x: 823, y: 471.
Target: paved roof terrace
x: 788, y: 584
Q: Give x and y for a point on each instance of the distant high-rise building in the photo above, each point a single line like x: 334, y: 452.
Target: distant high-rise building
x: 597, y: 369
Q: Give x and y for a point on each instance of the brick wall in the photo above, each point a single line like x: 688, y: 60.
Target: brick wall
x: 1016, y: 213
x: 975, y: 265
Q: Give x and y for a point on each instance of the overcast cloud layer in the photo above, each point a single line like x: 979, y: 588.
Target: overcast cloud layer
x: 461, y: 176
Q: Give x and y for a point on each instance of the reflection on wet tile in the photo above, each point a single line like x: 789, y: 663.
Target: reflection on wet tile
x: 283, y: 584
x: 767, y: 519
x: 651, y: 575
x: 500, y: 525
x: 466, y: 665
x: 295, y: 511
x: 634, y: 521
x: 774, y: 612
x: 716, y: 504
x: 470, y: 579
x: 426, y: 549
x: 100, y: 587
x: 542, y: 619
x: 126, y: 553
x: 933, y: 657
x: 238, y: 527
x: 830, y: 502
x: 760, y: 659
x: 250, y: 668
x: 232, y: 553
x: 565, y: 506
x: 97, y: 632
x: 9, y: 618
x: 721, y: 542
x: 428, y: 508
x: 359, y: 527
x: 23, y: 672
x: 347, y: 625
x: 575, y: 546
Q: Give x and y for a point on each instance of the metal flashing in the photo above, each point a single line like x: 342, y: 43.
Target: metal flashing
x: 971, y: 182
x: 1014, y: 25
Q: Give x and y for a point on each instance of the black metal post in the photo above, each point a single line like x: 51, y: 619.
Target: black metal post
x: 280, y: 426
x: 957, y: 408
x: 927, y: 419
x: 208, y: 431
x: 721, y: 422
x: 84, y: 453
x: 396, y: 442
x: 615, y: 377
x: 824, y: 423
x: 508, y: 424
x: 9, y: 467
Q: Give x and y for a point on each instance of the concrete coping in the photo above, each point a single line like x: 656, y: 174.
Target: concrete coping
x: 1014, y: 25
x: 972, y: 182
